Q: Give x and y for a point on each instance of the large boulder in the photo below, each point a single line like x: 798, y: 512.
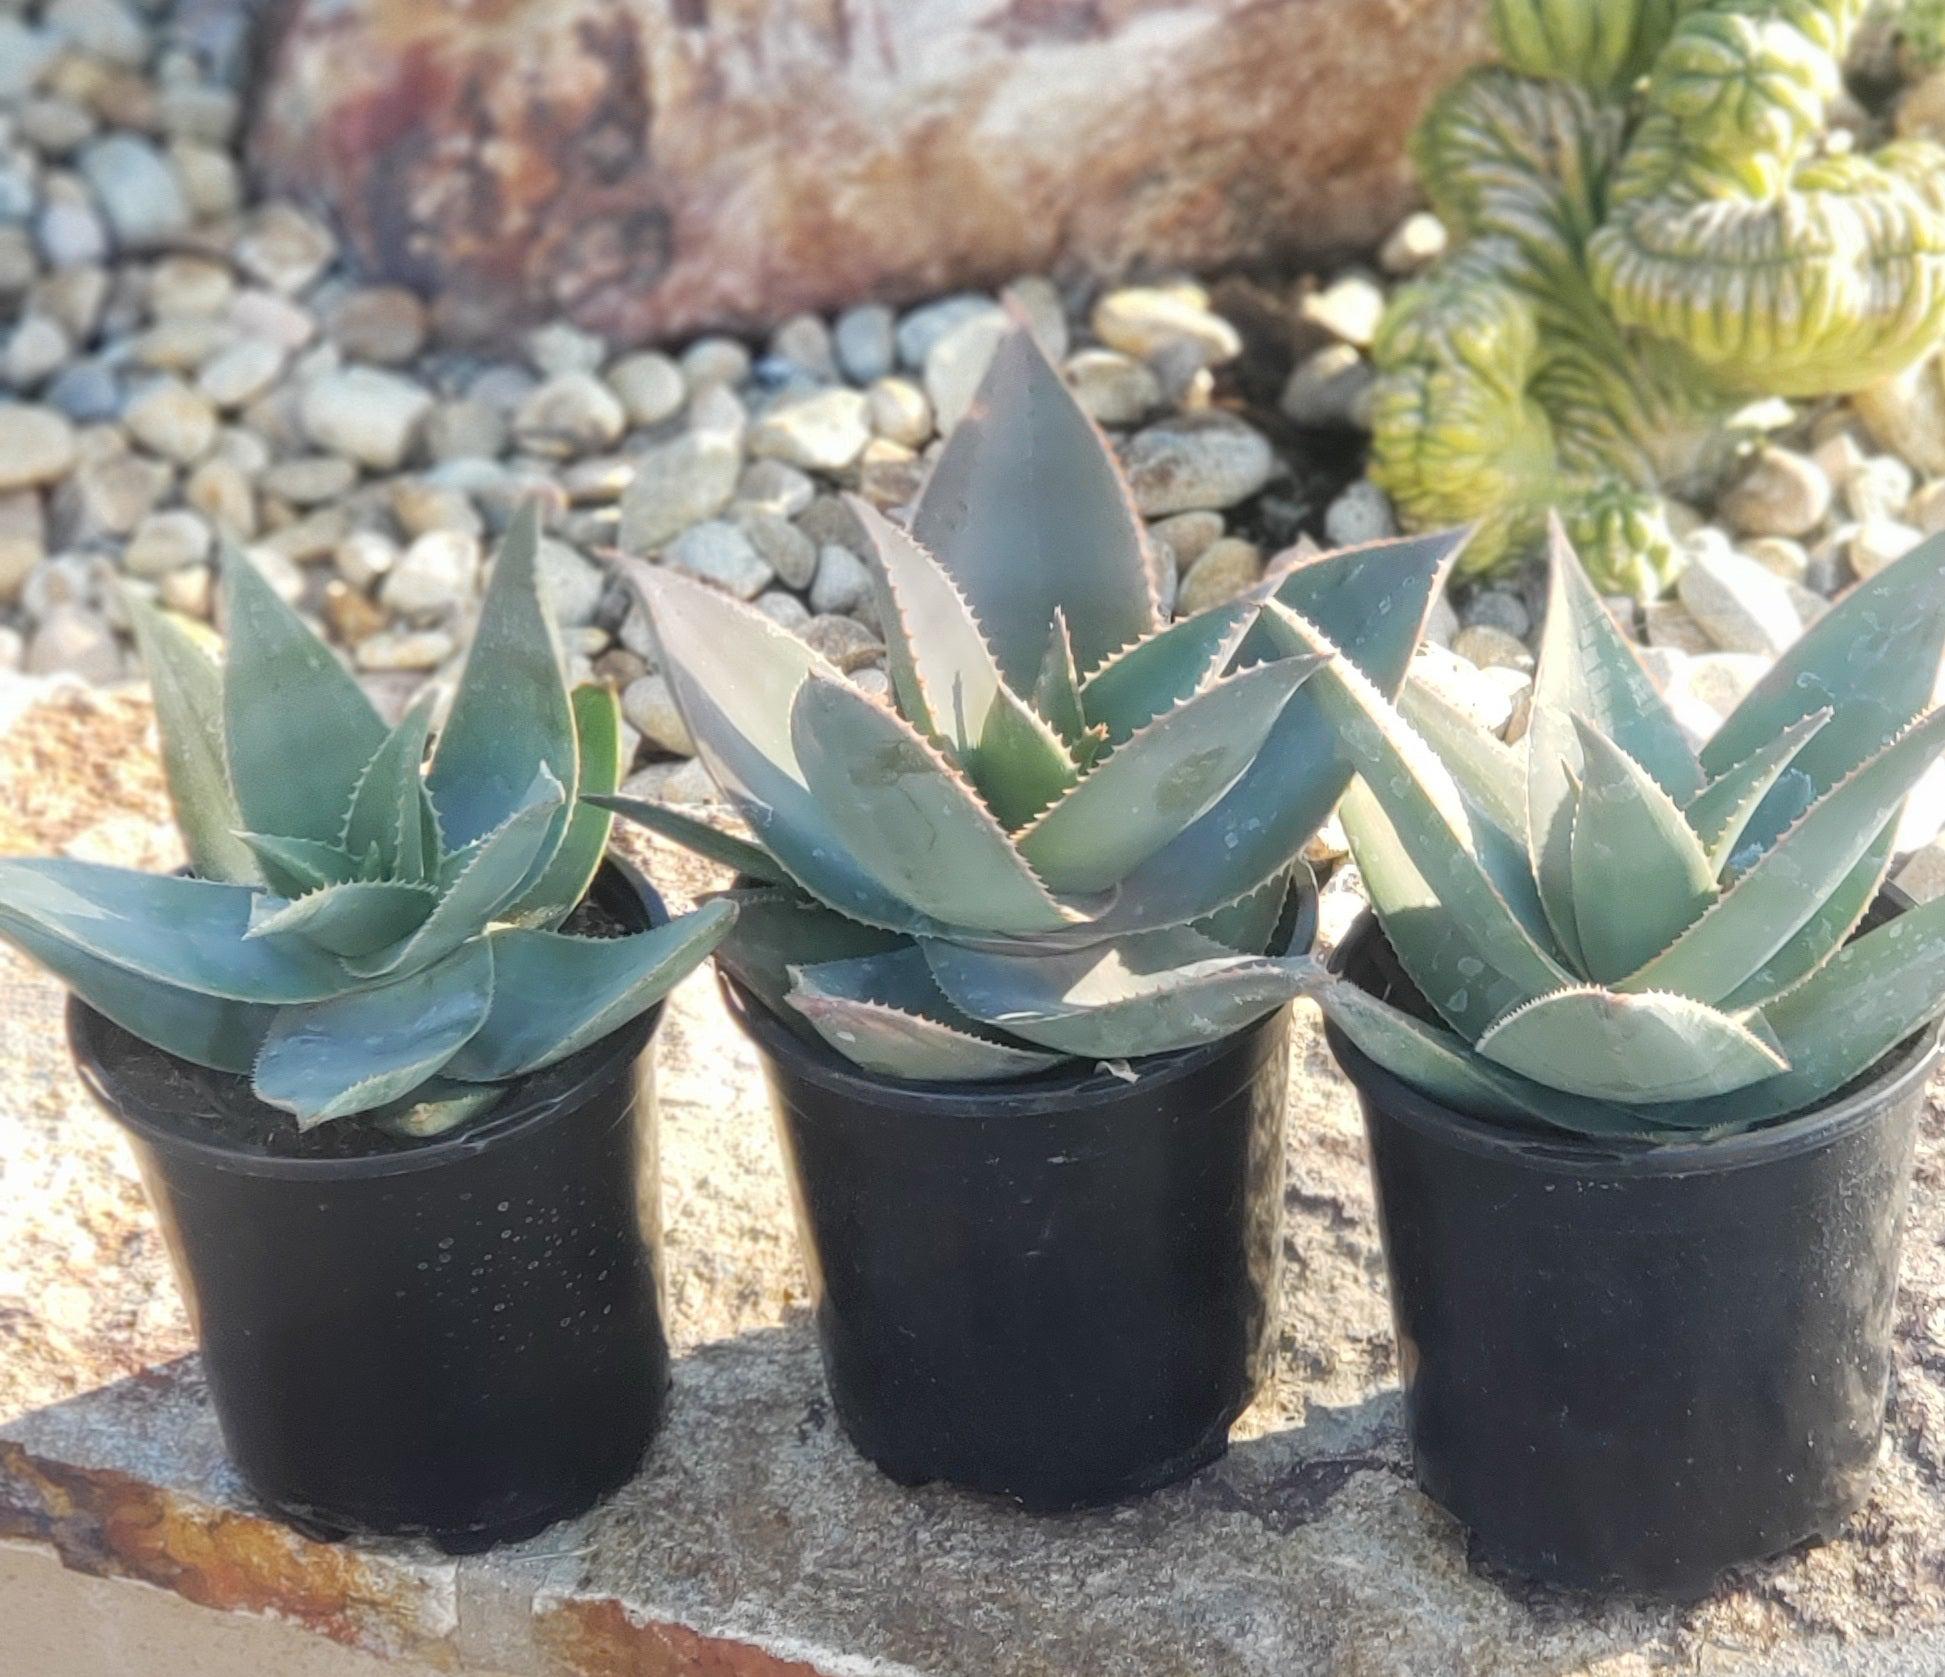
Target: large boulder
x: 652, y: 167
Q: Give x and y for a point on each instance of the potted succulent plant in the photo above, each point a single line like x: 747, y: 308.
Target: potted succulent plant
x: 382, y: 1056
x: 1642, y: 1043
x: 1015, y: 950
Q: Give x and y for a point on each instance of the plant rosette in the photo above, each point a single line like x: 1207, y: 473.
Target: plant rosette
x: 382, y: 1054
x: 1642, y: 1042
x: 1016, y: 948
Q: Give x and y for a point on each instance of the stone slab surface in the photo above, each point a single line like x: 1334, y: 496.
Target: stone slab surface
x: 755, y: 1544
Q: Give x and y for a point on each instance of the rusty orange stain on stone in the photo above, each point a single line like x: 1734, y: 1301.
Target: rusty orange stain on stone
x: 601, y: 1638
x: 108, y: 1524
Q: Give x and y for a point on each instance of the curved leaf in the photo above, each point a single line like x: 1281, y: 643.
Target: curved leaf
x: 1153, y: 993
x: 1786, y: 886
x: 555, y: 995
x: 1640, y: 875
x: 188, y: 692
x: 495, y: 869
x: 1649, y: 1047
x: 1028, y: 512
x: 887, y: 1014
x: 1872, y: 659
x: 711, y: 843
x: 1160, y: 780
x: 297, y: 866
x: 385, y: 811
x: 374, y: 1046
x: 1152, y: 677
x: 1057, y: 688
x: 597, y: 733
x: 213, y: 1031
x: 1721, y: 812
x: 901, y: 811
x: 189, y: 933
x: 298, y: 730
x: 949, y: 685
x: 360, y: 918
x: 734, y: 676
x: 778, y: 930
x: 511, y: 718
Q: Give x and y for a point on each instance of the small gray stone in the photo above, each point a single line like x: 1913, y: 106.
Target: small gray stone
x: 466, y: 430
x: 958, y: 363
x: 573, y: 413
x: 901, y: 412
x: 285, y: 248
x: 23, y: 537
x: 166, y: 541
x: 104, y: 28
x: 72, y: 640
x: 676, y: 484
x: 1114, y: 388
x: 573, y: 585
x: 382, y: 324
x: 866, y: 343
x: 650, y: 708
x: 1492, y: 648
x: 1464, y: 685
x: 36, y: 350
x: 1906, y: 415
x: 190, y: 591
x: 137, y: 190
x: 1499, y: 608
x: 1780, y: 557
x: 71, y: 234
x: 1223, y: 570
x: 844, y: 641
x: 1670, y: 624
x: 1782, y: 494
x: 772, y: 486
x: 25, y: 54
x: 715, y: 361
x: 404, y: 649
x: 190, y: 286
x: 365, y: 558
x: 87, y: 392
x: 1702, y: 691
x: 1442, y: 626
x: 804, y: 342
x: 1349, y: 309
x: 241, y: 374
x: 1196, y: 462
x: 785, y: 610
x: 1360, y: 515
x: 1922, y: 874
x: 1927, y: 509
x: 561, y: 347
x: 683, y: 782
x: 1882, y: 542
x: 111, y: 497
x: 651, y: 387
x: 1330, y: 389
x: 842, y: 584
x: 37, y: 445
x: 367, y: 415
x: 220, y: 490
x: 1414, y: 245
x: 436, y: 575
x: 781, y: 545
x: 718, y: 552
x: 1187, y: 535
x: 1881, y: 487
x: 310, y: 480
x: 1143, y: 320
x: 926, y: 325
x: 1741, y: 606
x: 825, y: 431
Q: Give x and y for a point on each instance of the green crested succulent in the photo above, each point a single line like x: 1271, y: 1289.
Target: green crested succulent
x: 1073, y: 834
x: 1620, y: 936
x: 1650, y: 233
x: 362, y: 932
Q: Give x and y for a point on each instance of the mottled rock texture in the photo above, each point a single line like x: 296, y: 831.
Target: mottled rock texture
x: 756, y: 1544
x: 656, y: 166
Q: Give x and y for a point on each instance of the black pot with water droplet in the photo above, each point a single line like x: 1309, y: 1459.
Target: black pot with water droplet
x: 1633, y: 1367
x: 459, y: 1338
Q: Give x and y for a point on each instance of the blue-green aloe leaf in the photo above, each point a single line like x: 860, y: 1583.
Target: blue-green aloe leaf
x: 734, y: 676
x: 1057, y: 688
x: 1640, y: 1048
x: 511, y: 717
x: 1160, y: 780
x: 777, y: 930
x: 597, y: 731
x: 1721, y: 812
x: 949, y: 684
x: 1023, y: 466
x: 188, y: 691
x: 1640, y: 875
x: 1151, y: 993
x: 213, y: 1031
x: 298, y: 730
x: 709, y: 842
x: 386, y: 810
x: 1784, y: 888
x: 555, y: 995
x: 1372, y: 603
x: 902, y: 811
x: 188, y: 933
x: 374, y: 1046
x: 294, y: 867
x: 1872, y: 659
x: 888, y: 1014
x: 493, y: 872
x: 1153, y: 676
x: 360, y: 918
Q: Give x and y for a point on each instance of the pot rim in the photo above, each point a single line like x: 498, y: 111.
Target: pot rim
x: 1911, y: 1062
x: 518, y: 1113
x: 1083, y: 1088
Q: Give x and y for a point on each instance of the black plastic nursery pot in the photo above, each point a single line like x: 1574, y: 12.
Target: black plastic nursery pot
x: 459, y: 1338
x: 1633, y: 1367
x: 1060, y: 1290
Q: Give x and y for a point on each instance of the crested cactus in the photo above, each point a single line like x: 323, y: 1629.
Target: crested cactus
x: 1620, y: 936
x: 1650, y: 234
x: 362, y: 932
x: 1073, y: 834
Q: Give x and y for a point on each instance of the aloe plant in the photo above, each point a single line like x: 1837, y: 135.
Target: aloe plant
x: 1073, y: 834
x: 1650, y: 232
x: 1617, y: 935
x: 362, y: 932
